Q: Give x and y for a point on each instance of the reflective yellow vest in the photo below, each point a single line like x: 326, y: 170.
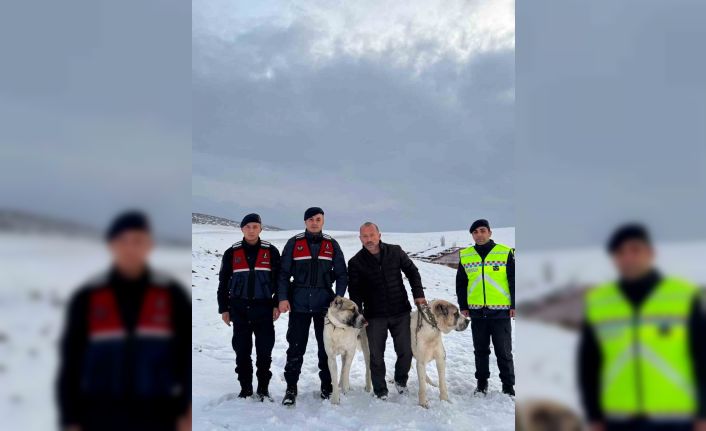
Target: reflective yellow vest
x: 647, y: 365
x: 487, y: 279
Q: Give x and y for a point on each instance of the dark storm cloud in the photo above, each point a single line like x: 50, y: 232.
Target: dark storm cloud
x: 363, y: 137
x: 611, y: 107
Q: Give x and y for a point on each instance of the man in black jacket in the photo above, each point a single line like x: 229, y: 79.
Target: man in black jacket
x: 125, y: 358
x: 631, y: 250
x: 247, y: 296
x: 311, y: 262
x: 490, y: 317
x: 375, y: 280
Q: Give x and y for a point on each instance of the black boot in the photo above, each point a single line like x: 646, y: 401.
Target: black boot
x: 326, y: 390
x: 482, y: 387
x: 263, y: 392
x: 508, y: 389
x: 290, y: 396
x: 401, y: 389
x: 381, y: 394
x: 245, y: 391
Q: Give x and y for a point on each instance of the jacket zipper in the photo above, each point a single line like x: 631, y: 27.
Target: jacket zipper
x: 482, y: 279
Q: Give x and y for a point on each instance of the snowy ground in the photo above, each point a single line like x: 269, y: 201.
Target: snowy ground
x: 216, y: 406
x: 39, y: 274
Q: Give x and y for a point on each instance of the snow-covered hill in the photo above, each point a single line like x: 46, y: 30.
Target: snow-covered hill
x: 216, y: 406
x: 207, y: 219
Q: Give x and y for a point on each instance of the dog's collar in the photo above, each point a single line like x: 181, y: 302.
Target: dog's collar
x: 328, y: 321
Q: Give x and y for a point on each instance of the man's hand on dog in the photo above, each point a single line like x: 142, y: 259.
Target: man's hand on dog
x: 420, y: 301
x: 283, y: 306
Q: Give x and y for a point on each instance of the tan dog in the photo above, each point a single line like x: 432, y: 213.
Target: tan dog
x: 439, y: 317
x: 342, y: 335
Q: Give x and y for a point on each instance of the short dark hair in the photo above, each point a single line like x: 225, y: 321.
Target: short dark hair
x: 479, y: 223
x: 628, y: 232
x: 127, y: 220
x: 368, y: 224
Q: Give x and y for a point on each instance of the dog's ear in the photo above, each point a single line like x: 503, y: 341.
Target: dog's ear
x: 444, y: 310
x: 440, y: 308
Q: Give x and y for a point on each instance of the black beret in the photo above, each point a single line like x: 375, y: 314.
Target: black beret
x: 628, y: 232
x: 250, y: 218
x: 479, y: 223
x: 311, y: 212
x: 129, y: 220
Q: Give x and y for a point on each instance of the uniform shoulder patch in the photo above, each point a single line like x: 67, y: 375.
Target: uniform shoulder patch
x: 264, y: 244
x: 299, y: 235
x: 237, y: 244
x: 325, y: 236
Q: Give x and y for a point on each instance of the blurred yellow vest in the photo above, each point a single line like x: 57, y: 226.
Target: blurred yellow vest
x: 647, y: 365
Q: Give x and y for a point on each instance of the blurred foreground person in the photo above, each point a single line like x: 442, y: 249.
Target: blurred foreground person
x: 126, y: 349
x: 642, y: 362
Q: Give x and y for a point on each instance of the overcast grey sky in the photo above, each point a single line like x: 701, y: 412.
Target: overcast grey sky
x: 611, y: 119
x: 401, y: 112
x: 96, y: 110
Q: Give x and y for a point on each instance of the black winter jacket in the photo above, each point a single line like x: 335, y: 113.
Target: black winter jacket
x: 377, y: 287
x: 307, y: 283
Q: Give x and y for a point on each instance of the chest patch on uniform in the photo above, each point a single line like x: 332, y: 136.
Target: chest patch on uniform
x: 496, y: 268
x: 665, y: 329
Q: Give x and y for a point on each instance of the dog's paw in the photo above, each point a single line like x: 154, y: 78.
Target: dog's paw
x: 444, y: 397
x: 335, y: 400
x: 424, y: 404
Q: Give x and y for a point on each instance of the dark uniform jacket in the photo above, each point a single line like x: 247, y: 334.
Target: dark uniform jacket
x: 125, y: 351
x: 310, y: 265
x: 248, y: 273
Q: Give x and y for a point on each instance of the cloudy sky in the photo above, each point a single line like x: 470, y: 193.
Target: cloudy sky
x: 96, y: 110
x: 401, y: 112
x: 611, y: 120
